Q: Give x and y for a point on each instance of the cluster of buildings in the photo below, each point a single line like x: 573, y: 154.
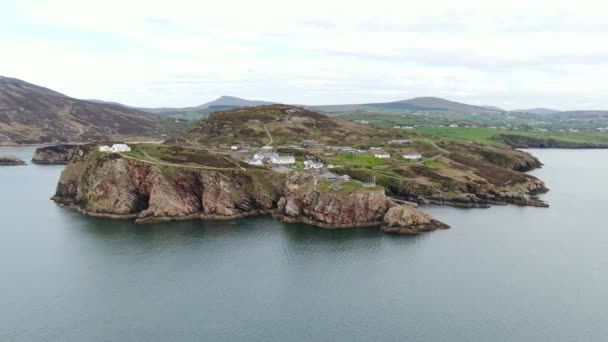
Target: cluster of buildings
x: 265, y: 155
x: 115, y: 148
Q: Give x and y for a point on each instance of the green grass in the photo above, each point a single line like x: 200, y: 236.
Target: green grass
x: 357, y: 160
x: 481, y: 136
x: 488, y: 136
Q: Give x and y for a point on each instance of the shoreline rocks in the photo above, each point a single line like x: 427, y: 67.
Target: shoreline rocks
x: 11, y: 161
x: 53, y: 155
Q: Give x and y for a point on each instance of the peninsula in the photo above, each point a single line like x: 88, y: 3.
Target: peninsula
x: 299, y: 166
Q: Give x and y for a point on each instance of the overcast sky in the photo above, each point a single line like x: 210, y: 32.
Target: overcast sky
x: 184, y: 53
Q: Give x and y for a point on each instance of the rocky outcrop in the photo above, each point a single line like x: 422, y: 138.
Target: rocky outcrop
x: 53, y: 155
x: 109, y: 185
x: 407, y: 220
x: 10, y: 160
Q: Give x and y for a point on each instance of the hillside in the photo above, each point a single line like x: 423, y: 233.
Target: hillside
x: 197, y: 112
x: 34, y: 114
x: 286, y: 124
x: 448, y: 172
x: 415, y: 104
x: 538, y: 111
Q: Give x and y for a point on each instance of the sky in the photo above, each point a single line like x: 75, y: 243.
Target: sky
x: 512, y: 54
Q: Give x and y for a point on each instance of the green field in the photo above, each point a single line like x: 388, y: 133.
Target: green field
x: 494, y: 137
x: 357, y: 160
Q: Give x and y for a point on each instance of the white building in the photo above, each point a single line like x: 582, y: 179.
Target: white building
x: 254, y: 161
x: 115, y: 148
x: 382, y: 155
x: 283, y: 160
x: 312, y: 165
x: 375, y: 148
x: 234, y: 147
x: 120, y: 148
x: 265, y: 155
x: 412, y: 156
x: 400, y: 141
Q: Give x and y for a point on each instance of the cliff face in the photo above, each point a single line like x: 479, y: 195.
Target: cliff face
x: 53, y: 155
x: 111, y: 185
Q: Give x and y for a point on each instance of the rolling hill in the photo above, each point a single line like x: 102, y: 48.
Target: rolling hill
x: 538, y: 111
x: 415, y: 104
x: 221, y: 103
x: 34, y: 114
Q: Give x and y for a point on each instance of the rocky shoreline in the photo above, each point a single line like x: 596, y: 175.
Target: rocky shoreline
x: 11, y: 161
x: 53, y: 155
x: 108, y: 185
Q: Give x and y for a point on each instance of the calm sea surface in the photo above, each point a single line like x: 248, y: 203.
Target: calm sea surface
x: 500, y: 274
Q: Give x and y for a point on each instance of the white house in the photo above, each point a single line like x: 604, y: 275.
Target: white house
x: 283, y: 160
x: 120, y: 148
x: 382, y: 155
x: 115, y: 148
x: 265, y: 155
x: 375, y: 148
x: 412, y: 156
x: 254, y: 161
x: 312, y: 165
x: 234, y: 147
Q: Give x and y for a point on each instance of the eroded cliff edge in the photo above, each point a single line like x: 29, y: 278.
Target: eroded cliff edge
x: 118, y: 186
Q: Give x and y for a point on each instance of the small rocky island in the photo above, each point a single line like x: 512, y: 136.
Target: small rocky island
x: 53, y: 155
x: 10, y: 160
x: 169, y: 183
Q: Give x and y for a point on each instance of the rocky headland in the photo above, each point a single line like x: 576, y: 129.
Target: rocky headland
x: 53, y: 155
x: 10, y: 160
x: 119, y: 186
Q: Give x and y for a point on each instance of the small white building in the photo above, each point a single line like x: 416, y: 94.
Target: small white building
x: 382, y: 155
x: 283, y: 160
x: 375, y: 148
x: 400, y: 141
x: 115, y: 148
x: 267, y: 148
x: 412, y: 156
x: 120, y: 148
x: 234, y: 147
x: 254, y: 161
x: 312, y: 165
x: 265, y: 155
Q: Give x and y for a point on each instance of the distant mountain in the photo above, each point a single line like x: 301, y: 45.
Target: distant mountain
x: 539, y: 111
x: 34, y: 114
x: 582, y: 114
x: 498, y: 109
x: 221, y: 103
x: 415, y: 104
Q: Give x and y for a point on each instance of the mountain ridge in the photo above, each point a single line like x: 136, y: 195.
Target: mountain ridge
x: 34, y: 114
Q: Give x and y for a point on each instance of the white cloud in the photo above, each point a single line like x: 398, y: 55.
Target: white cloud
x: 179, y: 53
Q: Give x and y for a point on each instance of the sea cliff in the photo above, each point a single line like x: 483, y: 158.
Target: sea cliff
x: 119, y: 186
